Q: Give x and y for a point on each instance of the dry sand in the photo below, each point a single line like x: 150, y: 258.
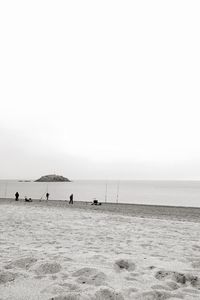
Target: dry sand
x: 56, y: 251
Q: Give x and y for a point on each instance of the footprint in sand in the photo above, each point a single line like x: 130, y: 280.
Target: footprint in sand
x: 132, y: 276
x: 180, y: 278
x: 64, y: 276
x: 191, y: 291
x: 124, y: 264
x: 55, y: 289
x: 70, y: 286
x: 98, y: 256
x: 107, y: 294
x: 177, y: 277
x: 160, y: 287
x: 66, y: 258
x: 173, y: 285
x: 193, y: 280
x: 196, y: 247
x: 196, y: 264
x: 130, y: 292
x: 62, y: 288
x: 48, y: 268
x: 23, y: 263
x: 157, y: 295
x: 90, y: 276
x: 129, y: 278
x: 39, y: 277
x: 6, y: 276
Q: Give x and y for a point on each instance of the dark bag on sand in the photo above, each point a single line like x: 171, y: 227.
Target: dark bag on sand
x: 95, y: 202
x: 28, y: 200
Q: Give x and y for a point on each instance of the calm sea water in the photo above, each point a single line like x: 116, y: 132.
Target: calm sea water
x: 175, y: 193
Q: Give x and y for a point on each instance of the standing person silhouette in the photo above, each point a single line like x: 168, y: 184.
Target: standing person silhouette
x: 16, y: 196
x: 71, y: 199
x: 47, y: 196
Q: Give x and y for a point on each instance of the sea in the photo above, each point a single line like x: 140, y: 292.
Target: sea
x: 167, y: 193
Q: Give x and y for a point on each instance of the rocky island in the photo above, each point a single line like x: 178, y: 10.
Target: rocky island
x: 52, y: 178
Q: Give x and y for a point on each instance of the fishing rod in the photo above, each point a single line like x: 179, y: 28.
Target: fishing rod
x: 6, y: 190
x: 42, y: 195
x: 106, y: 192
x: 44, y: 192
x: 117, y: 198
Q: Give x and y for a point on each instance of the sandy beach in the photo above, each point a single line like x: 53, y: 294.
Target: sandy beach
x: 50, y: 250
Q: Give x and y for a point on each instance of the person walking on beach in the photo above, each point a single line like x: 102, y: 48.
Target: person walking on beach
x: 47, y: 196
x: 16, y: 196
x: 71, y: 199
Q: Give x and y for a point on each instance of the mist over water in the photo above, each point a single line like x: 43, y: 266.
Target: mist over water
x: 175, y: 193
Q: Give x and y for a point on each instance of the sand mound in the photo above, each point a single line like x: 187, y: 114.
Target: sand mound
x: 7, y: 277
x: 23, y: 263
x: 124, y: 264
x: 71, y: 296
x: 90, y: 276
x: 108, y: 294
x: 48, y: 268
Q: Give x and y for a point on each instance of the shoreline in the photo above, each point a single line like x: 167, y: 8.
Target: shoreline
x: 179, y: 213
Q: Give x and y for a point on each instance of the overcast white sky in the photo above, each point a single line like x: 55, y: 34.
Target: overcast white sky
x: 100, y: 89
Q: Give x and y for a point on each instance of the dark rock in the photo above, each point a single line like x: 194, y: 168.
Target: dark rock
x: 52, y: 178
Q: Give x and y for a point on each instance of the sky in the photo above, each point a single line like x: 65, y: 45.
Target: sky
x: 100, y: 89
